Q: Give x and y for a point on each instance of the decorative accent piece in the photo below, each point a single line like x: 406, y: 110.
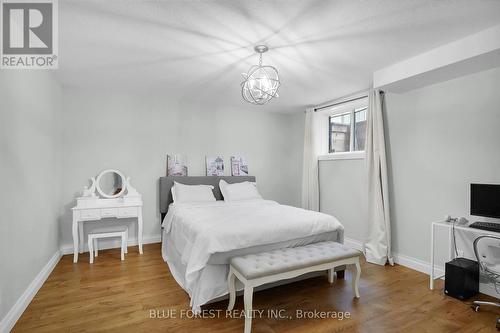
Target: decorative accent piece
x: 131, y: 191
x: 215, y: 165
x: 261, y: 83
x: 177, y: 165
x: 132, y: 194
x: 239, y: 166
x: 89, y: 192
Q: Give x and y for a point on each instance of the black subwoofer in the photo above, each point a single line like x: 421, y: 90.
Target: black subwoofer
x: 461, y: 278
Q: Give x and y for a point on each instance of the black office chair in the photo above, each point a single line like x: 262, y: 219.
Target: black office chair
x: 489, y: 263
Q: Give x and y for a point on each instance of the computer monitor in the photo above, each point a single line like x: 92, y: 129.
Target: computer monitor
x: 485, y: 200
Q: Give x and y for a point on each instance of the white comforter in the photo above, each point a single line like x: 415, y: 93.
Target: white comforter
x: 202, y: 229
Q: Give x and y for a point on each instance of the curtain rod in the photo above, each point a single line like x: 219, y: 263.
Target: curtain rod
x: 342, y: 102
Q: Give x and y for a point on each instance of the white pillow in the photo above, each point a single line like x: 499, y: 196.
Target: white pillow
x: 239, y: 191
x: 192, y: 193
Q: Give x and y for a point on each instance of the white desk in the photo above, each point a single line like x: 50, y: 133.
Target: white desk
x: 93, y: 210
x: 451, y: 251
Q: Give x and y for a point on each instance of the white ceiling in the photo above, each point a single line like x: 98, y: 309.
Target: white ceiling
x: 197, y: 50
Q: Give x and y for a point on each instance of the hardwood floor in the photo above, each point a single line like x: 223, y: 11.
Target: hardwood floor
x: 115, y: 296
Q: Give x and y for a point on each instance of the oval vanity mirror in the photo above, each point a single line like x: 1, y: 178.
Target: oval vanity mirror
x: 111, y: 183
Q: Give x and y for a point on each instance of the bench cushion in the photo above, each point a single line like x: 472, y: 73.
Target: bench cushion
x: 283, y: 260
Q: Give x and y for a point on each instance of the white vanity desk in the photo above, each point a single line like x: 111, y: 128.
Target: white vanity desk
x: 112, y: 203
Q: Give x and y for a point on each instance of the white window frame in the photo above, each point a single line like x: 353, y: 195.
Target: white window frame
x: 346, y: 155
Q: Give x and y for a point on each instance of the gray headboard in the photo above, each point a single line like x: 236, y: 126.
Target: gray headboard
x: 166, y: 184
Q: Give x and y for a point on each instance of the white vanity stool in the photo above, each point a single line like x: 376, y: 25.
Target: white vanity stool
x: 98, y: 233
x: 110, y: 197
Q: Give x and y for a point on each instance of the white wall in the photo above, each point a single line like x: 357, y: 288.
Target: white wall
x: 30, y: 161
x: 440, y: 138
x: 343, y: 194
x: 134, y: 133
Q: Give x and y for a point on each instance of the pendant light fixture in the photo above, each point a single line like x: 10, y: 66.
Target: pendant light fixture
x: 261, y: 82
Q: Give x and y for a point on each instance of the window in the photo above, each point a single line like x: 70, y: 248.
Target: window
x: 340, y: 133
x: 347, y: 131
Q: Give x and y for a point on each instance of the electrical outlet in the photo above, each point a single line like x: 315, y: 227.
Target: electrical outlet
x: 460, y: 253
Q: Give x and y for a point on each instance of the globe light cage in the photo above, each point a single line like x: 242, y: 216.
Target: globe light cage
x: 261, y: 82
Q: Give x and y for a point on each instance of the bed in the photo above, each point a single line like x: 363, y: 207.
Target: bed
x: 200, y: 238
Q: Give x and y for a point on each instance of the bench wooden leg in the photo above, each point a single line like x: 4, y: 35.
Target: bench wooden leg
x: 355, y: 279
x: 331, y: 272
x: 247, y: 298
x: 231, y: 279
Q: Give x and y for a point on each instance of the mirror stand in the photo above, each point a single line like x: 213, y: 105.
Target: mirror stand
x: 110, y: 186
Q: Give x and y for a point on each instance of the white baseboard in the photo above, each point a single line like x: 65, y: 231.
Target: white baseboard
x: 112, y: 244
x: 353, y: 243
x: 417, y: 264
x: 10, y: 319
x: 400, y: 259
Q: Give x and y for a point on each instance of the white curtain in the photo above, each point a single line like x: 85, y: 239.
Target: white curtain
x: 378, y: 244
x: 315, y: 140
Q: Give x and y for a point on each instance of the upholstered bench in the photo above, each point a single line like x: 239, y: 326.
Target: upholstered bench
x: 107, y: 232
x: 257, y: 269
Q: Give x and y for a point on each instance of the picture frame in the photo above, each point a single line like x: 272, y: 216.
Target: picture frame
x: 177, y: 165
x: 239, y: 166
x: 214, y: 165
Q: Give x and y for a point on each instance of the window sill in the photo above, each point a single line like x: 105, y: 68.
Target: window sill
x: 351, y: 155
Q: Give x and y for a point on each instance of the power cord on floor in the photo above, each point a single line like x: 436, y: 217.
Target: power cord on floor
x: 454, y: 237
